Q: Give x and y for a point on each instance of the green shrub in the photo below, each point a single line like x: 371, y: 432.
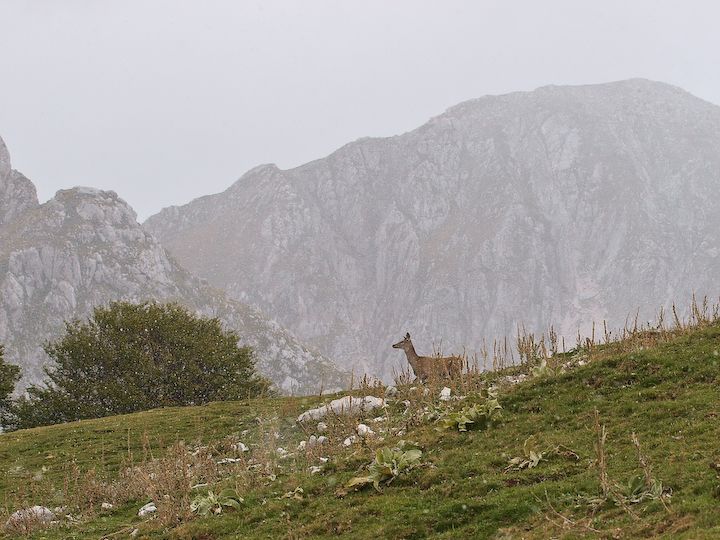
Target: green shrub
x: 131, y: 357
x: 9, y: 376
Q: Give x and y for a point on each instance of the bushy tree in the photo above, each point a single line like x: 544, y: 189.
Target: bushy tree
x: 131, y: 357
x: 9, y: 376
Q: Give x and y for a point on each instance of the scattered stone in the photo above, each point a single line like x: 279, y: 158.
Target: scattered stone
x: 281, y: 452
x: 106, y: 506
x: 322, y: 439
x: 391, y: 391
x: 344, y: 405
x: 134, y: 533
x: 513, y: 380
x: 445, y: 394
x: 240, y: 447
x: 302, y: 445
x: 35, y: 514
x: 364, y: 431
x: 315, y: 469
x: 229, y: 461
x: 324, y: 459
x: 149, y: 508
x: 321, y: 427
x: 350, y: 440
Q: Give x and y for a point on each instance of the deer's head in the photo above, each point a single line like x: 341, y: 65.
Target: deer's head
x: 405, y: 344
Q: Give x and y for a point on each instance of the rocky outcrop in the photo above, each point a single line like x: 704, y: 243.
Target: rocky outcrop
x: 563, y: 205
x: 85, y: 248
x: 17, y: 193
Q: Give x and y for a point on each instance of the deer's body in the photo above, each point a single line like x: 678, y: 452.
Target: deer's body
x: 427, y: 367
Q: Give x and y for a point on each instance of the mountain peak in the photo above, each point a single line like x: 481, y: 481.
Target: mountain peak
x: 566, y: 203
x: 5, y: 165
x: 17, y: 193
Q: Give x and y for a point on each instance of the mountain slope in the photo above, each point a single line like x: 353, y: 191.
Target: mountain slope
x: 566, y: 204
x: 85, y: 248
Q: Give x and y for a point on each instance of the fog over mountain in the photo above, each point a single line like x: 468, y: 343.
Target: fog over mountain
x: 84, y: 248
x: 563, y: 205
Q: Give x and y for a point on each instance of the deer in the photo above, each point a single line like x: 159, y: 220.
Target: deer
x: 426, y: 367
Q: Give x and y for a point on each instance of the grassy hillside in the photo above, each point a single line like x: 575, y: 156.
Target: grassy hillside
x: 662, y: 386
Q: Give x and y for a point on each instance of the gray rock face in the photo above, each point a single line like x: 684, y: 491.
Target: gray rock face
x: 85, y: 248
x: 563, y: 205
x: 17, y: 193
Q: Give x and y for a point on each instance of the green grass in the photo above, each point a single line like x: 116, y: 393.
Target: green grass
x: 668, y: 394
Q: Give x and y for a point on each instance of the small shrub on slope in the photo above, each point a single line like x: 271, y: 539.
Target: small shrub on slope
x: 530, y: 459
x: 389, y: 463
x: 213, y: 504
x: 477, y: 416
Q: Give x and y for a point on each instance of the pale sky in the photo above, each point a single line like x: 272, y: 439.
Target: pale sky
x: 167, y: 100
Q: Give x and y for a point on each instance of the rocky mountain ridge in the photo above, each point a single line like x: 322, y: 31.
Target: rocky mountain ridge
x: 85, y: 248
x: 563, y: 205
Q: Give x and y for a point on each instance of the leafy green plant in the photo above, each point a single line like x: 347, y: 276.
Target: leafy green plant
x: 478, y: 416
x: 541, y: 370
x: 639, y: 489
x: 530, y: 459
x: 213, y: 504
x: 389, y: 463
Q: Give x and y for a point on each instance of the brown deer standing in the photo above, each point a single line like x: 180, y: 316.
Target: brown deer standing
x: 426, y: 367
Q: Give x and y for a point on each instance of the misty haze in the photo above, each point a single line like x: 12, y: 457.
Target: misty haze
x: 368, y: 270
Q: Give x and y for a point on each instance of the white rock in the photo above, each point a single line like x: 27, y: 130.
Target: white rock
x: 324, y: 459
x: 426, y: 391
x: 344, y: 405
x: 302, y: 445
x: 149, y: 508
x: 240, y: 447
x: 321, y: 427
x: 228, y: 461
x: 134, y: 533
x: 281, y: 452
x: 315, y: 469
x: 350, y: 440
x: 106, y: 506
x: 445, y: 394
x: 322, y: 439
x: 364, y: 431
x: 34, y: 514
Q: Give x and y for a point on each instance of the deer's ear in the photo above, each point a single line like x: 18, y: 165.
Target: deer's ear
x: 407, y: 336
